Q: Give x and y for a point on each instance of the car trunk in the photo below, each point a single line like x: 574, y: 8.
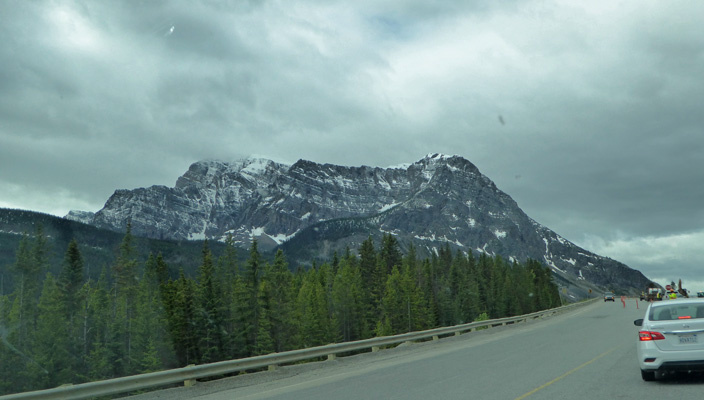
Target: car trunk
x: 683, y: 327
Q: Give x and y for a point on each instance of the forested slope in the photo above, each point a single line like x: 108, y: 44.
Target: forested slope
x: 141, y: 317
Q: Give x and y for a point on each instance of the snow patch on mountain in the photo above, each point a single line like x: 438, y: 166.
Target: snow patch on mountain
x: 388, y: 207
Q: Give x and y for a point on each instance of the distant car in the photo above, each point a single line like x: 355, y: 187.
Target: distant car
x: 671, y: 338
x: 609, y: 297
x: 700, y: 294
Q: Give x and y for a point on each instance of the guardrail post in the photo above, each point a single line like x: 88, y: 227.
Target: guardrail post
x: 273, y: 367
x: 375, y: 349
x: 332, y: 356
x: 189, y: 382
x: 457, y: 333
x: 436, y: 337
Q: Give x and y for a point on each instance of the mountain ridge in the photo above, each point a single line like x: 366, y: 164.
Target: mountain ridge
x: 99, y: 247
x: 439, y: 200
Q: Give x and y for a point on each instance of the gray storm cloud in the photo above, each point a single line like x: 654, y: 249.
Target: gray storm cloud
x: 587, y: 114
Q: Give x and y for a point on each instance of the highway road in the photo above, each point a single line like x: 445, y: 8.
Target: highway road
x: 588, y: 353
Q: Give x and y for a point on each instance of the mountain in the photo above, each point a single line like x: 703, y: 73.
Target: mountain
x: 312, y: 210
x: 99, y: 247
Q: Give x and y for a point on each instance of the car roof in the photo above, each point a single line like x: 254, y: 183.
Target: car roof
x: 666, y: 303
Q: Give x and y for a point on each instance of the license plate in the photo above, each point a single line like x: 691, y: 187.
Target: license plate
x: 688, y: 339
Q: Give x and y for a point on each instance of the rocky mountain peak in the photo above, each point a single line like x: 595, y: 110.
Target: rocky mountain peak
x: 209, y: 172
x: 314, y: 209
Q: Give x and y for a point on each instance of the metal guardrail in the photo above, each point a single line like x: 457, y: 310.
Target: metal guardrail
x: 189, y: 374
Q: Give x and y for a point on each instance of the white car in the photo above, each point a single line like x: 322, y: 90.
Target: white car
x: 671, y: 338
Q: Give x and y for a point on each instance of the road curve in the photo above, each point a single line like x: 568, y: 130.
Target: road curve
x: 588, y: 353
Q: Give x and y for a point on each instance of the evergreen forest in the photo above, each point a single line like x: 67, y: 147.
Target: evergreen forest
x: 140, y: 317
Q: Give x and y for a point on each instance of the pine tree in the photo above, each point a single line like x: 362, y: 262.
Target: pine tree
x: 444, y: 260
x: 161, y: 270
x: 335, y: 262
x: 404, y: 306
x: 40, y: 251
x: 368, y: 268
x: 547, y: 292
x: 485, y: 266
x: 390, y: 254
x: 326, y: 275
x: 210, y: 310
x: 419, y: 281
x: 18, y: 330
x: 276, y: 295
x: 394, y: 304
x: 72, y: 301
x: 241, y: 315
x: 71, y: 280
x: 525, y: 289
x: 125, y: 269
x: 13, y: 363
x: 412, y: 263
x: 150, y: 361
x: 314, y: 327
x: 52, y: 350
x: 151, y: 345
x: 372, y: 285
x: 427, y: 286
x: 27, y: 273
x: 347, y: 302
x: 456, y: 281
x: 179, y: 298
x: 498, y: 290
x: 441, y: 288
x: 124, y: 294
x: 100, y: 345
x: 512, y: 288
x: 226, y: 273
x: 246, y: 305
x: 265, y: 340
x: 467, y: 292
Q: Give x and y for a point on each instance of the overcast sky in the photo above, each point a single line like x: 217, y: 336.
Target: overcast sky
x: 588, y: 113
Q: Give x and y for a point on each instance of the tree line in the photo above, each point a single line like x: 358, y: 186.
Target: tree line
x: 136, y: 319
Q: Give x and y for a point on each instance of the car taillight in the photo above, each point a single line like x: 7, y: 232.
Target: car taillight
x: 645, y: 336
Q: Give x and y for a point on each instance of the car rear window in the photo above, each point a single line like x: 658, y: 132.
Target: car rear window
x: 677, y: 311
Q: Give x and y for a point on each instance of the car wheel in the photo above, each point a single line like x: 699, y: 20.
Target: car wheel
x: 647, y: 376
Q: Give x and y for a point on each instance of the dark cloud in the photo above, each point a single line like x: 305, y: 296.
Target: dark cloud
x: 599, y: 103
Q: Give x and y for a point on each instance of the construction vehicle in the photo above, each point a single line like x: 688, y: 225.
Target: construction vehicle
x: 682, y: 291
x: 676, y: 291
x: 653, y: 294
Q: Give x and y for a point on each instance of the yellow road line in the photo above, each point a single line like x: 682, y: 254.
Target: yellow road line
x: 565, y: 374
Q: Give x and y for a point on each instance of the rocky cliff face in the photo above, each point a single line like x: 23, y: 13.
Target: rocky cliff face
x: 314, y: 209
